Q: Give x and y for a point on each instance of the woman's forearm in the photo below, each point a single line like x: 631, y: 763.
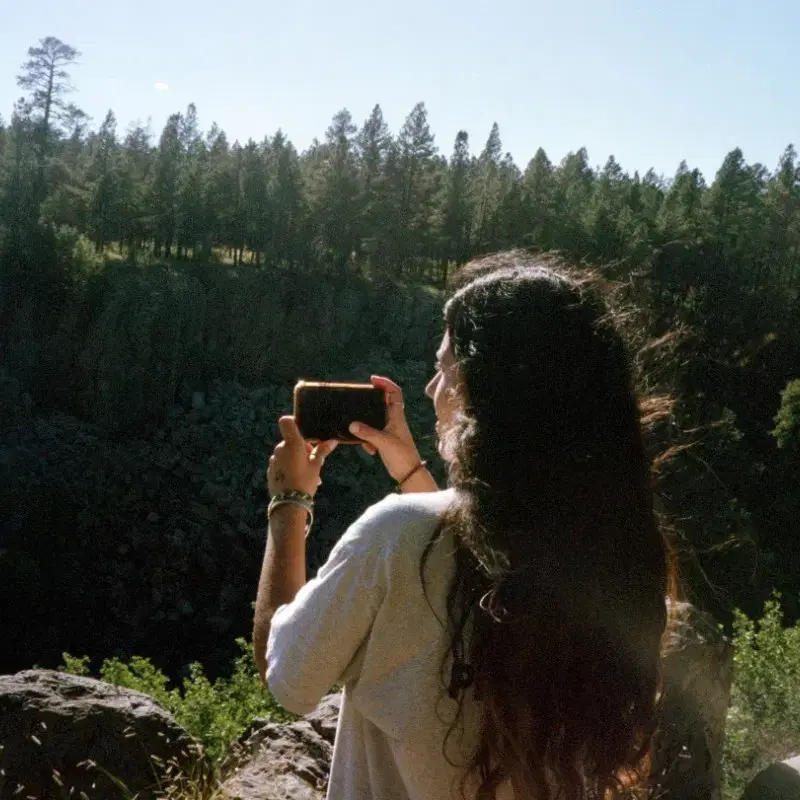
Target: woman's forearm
x: 283, y: 574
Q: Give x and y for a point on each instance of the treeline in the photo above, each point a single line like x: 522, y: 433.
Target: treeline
x: 365, y: 196
x: 719, y: 261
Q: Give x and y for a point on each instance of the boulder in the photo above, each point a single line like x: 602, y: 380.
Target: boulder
x: 777, y: 782
x: 60, y: 731
x: 698, y: 667
x: 274, y: 761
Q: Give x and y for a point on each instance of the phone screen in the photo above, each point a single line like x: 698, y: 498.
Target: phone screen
x: 325, y: 410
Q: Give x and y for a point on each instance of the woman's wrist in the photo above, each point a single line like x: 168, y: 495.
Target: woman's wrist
x: 420, y: 481
x: 288, y: 519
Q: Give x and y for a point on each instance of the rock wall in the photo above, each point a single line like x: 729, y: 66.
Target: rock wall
x: 122, y: 348
x: 135, y: 427
x: 152, y: 545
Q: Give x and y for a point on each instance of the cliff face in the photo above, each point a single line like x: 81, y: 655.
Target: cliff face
x: 122, y: 349
x: 134, y: 523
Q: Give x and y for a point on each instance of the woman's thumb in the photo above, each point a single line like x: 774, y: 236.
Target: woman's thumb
x: 369, y: 435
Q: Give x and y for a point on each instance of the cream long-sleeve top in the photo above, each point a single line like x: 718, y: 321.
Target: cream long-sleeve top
x: 364, y: 622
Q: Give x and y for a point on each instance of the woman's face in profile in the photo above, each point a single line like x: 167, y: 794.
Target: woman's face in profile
x: 442, y: 387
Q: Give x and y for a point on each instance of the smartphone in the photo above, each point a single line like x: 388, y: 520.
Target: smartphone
x: 325, y: 410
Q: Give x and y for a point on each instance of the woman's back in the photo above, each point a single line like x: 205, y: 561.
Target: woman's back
x: 395, y: 711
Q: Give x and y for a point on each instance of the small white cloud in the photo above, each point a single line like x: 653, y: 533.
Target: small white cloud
x: 161, y: 86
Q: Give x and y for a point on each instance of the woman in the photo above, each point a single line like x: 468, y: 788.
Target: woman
x: 500, y: 638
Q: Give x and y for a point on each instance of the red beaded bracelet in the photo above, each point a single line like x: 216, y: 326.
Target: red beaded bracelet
x: 421, y: 465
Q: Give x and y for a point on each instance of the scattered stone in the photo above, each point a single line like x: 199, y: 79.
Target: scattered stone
x: 51, y: 722
x: 779, y: 781
x: 277, y: 761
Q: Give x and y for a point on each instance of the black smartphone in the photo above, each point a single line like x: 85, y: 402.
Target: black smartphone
x: 325, y: 410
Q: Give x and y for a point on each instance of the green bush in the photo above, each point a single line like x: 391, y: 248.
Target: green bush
x: 763, y: 724
x: 214, y: 713
x: 787, y: 420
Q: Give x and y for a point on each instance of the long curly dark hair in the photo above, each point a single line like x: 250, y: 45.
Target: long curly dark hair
x: 558, y: 605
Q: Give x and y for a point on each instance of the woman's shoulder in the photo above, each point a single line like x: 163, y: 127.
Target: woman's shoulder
x: 402, y: 519
x: 403, y: 509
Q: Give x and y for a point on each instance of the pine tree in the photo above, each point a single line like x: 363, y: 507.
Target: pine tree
x: 103, y: 175
x: 373, y: 145
x: 412, y: 177
x: 509, y: 223
x: 538, y: 190
x: 192, y: 176
x: 458, y: 206
x: 255, y: 198
x: 136, y: 168
x: 334, y: 192
x: 165, y: 186
x: 289, y: 210
x: 487, y: 192
x: 44, y: 76
x: 218, y: 195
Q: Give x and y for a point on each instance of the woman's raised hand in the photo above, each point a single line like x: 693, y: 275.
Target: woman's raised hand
x: 394, y: 444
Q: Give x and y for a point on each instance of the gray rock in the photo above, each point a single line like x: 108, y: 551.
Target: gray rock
x: 284, y: 761
x: 54, y: 721
x: 777, y: 782
x: 687, y: 757
x: 324, y: 717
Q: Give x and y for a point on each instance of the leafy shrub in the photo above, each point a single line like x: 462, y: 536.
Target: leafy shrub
x: 763, y: 724
x: 787, y: 420
x: 214, y: 713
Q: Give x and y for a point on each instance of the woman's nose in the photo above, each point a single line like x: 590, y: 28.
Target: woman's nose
x: 430, y: 388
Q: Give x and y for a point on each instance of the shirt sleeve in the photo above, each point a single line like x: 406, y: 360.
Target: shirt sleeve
x: 313, y: 639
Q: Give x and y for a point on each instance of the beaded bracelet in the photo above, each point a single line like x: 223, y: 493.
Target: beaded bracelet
x: 421, y: 465
x: 295, y: 498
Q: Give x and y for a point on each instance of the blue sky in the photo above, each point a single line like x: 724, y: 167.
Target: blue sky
x: 650, y: 86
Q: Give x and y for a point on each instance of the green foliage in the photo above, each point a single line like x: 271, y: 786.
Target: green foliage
x: 140, y: 675
x: 75, y: 665
x: 763, y: 724
x: 216, y: 713
x: 787, y: 420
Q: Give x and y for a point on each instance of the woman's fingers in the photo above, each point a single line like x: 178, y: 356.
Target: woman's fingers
x: 291, y: 433
x: 369, y: 435
x: 386, y: 384
x: 394, y: 397
x: 368, y: 448
x: 322, y: 451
